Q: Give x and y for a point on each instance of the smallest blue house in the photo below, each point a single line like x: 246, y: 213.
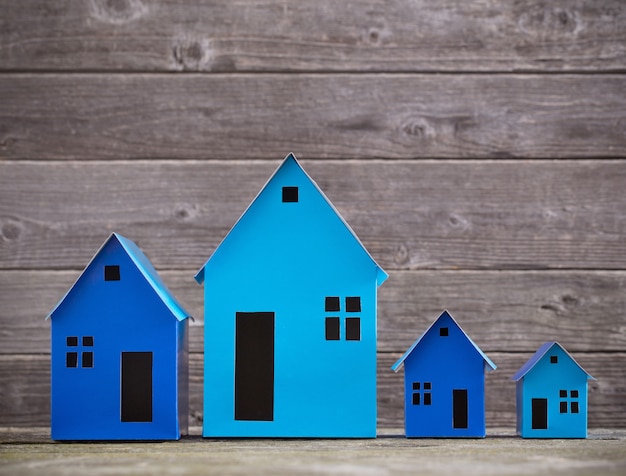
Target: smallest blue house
x: 444, y: 383
x: 551, y: 395
x: 119, y: 352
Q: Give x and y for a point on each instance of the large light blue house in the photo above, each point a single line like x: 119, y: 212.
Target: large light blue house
x: 444, y: 383
x: 551, y: 395
x: 119, y: 352
x: 290, y: 319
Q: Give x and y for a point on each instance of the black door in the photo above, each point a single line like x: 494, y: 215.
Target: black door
x: 254, y: 366
x: 459, y: 409
x: 136, y: 386
x: 540, y: 413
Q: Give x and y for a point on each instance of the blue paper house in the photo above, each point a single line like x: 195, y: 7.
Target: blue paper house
x: 551, y: 395
x: 444, y: 383
x: 290, y: 319
x: 119, y: 352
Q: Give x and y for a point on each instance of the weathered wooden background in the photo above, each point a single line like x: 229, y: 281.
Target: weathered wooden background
x: 477, y: 147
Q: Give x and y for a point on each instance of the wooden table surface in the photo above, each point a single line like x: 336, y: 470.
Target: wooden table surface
x: 30, y: 451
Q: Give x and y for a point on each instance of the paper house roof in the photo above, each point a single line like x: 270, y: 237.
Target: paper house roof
x: 541, y: 352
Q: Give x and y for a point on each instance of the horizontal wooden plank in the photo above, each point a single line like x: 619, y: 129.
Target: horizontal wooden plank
x: 25, y: 390
x: 409, y: 214
x: 501, y: 311
x: 320, y: 35
x: 264, y: 116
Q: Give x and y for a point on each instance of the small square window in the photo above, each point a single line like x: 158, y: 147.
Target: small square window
x: 427, y: 399
x: 112, y: 273
x: 88, y: 341
x: 563, y: 407
x: 290, y: 194
x: 416, y: 398
x: 554, y: 359
x: 574, y: 406
x: 87, y: 359
x: 353, y: 328
x: 443, y: 332
x: 332, y: 304
x: 72, y: 341
x: 353, y: 304
x: 416, y: 385
x: 332, y: 328
x: 71, y: 359
x: 574, y: 394
x: 563, y: 393
x: 427, y: 385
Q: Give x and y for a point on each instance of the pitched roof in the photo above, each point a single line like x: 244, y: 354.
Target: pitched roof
x: 144, y: 265
x: 541, y: 352
x: 490, y: 365
x: 381, y: 274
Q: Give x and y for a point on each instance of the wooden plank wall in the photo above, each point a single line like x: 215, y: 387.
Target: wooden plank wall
x: 477, y: 147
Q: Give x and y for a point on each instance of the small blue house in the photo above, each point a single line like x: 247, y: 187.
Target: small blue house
x: 444, y: 383
x: 290, y: 319
x: 119, y: 352
x: 551, y: 395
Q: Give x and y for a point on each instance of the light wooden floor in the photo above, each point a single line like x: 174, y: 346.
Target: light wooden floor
x: 30, y: 451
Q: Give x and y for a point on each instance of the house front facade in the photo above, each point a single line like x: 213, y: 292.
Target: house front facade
x: 290, y: 319
x: 119, y: 352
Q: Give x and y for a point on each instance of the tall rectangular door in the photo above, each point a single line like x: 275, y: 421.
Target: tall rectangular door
x: 459, y: 409
x: 136, y: 392
x: 254, y: 366
x: 539, y: 413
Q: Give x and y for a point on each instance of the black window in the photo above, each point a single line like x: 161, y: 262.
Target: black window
x: 554, y: 359
x: 416, y: 385
x: 422, y: 394
x: 353, y: 328
x: 71, y: 359
x: 427, y: 398
x: 332, y: 304
x: 443, y: 332
x: 416, y: 398
x: 574, y: 407
x: 72, y: 341
x: 427, y: 385
x: 563, y: 407
x: 573, y: 401
x: 563, y: 393
x: 573, y: 394
x: 87, y: 359
x: 353, y: 304
x: 88, y: 341
x: 290, y: 194
x: 332, y: 328
x: 112, y: 273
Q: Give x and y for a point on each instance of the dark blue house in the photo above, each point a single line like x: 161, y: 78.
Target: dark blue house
x: 119, y: 352
x: 444, y: 383
x: 551, y: 395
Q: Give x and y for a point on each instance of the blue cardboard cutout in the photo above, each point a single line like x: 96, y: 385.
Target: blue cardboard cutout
x: 444, y: 383
x: 551, y: 395
x: 119, y: 352
x: 290, y: 319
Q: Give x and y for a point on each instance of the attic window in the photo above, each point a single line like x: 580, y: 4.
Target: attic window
x: 554, y: 359
x: 112, y: 273
x: 443, y: 332
x: 290, y: 194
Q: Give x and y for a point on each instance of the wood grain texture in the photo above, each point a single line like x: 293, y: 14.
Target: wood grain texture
x: 502, y: 311
x: 25, y: 390
x: 409, y: 214
x: 264, y: 116
x: 313, y: 35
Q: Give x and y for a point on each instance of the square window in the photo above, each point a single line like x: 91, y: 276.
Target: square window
x: 563, y: 407
x: 574, y: 407
x: 574, y: 394
x: 353, y: 304
x: 88, y: 341
x: 427, y: 385
x: 416, y: 398
x: 290, y: 194
x: 416, y: 385
x: 353, y: 328
x: 332, y: 304
x: 112, y: 273
x: 554, y: 359
x: 332, y: 328
x: 71, y: 359
x: 87, y: 359
x: 427, y: 399
x: 563, y: 393
x: 72, y: 341
x: 443, y: 332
